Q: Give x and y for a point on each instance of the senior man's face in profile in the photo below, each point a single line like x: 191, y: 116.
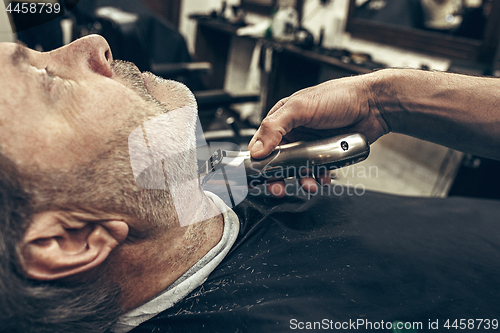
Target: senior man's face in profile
x: 66, y: 116
x: 65, y: 121
x: 59, y: 108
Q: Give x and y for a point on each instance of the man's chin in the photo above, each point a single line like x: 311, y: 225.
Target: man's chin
x: 172, y: 94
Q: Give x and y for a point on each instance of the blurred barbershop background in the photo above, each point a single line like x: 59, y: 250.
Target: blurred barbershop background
x: 242, y: 56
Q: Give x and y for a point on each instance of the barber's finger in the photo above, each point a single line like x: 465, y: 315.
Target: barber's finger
x: 278, y: 105
x: 323, y: 179
x: 267, y: 137
x: 271, y: 130
x: 254, y: 138
x: 307, y: 181
x: 309, y: 185
x: 277, y: 189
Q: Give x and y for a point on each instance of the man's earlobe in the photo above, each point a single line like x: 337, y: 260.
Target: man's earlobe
x: 55, y: 246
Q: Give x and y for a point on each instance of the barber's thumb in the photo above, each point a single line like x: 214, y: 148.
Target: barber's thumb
x: 262, y: 143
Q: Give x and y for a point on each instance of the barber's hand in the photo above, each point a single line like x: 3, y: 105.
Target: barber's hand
x: 334, y: 107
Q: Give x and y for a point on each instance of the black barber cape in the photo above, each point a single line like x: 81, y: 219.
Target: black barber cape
x: 332, y: 262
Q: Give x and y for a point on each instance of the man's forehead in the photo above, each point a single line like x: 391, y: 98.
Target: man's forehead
x: 9, y: 84
x: 12, y: 54
x: 19, y: 55
x: 8, y: 49
x: 15, y: 95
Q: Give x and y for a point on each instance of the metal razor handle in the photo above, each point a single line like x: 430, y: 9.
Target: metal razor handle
x: 323, y: 155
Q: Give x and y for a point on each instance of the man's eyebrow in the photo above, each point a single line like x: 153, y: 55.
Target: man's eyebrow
x: 20, y: 55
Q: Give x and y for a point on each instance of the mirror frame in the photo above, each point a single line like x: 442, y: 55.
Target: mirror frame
x: 258, y: 8
x: 434, y: 43
x: 251, y: 6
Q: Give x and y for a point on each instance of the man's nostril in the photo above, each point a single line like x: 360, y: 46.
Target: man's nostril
x: 108, y: 55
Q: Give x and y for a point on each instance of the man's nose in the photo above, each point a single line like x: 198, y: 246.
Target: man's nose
x: 92, y: 52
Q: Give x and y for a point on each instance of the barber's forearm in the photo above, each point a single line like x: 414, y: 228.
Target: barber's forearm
x: 461, y: 112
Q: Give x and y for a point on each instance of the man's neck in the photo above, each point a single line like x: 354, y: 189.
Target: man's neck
x: 145, y: 269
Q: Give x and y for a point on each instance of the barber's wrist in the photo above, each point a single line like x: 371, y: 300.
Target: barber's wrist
x: 385, y: 96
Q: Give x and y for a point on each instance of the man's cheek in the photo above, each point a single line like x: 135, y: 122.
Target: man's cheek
x: 41, y: 145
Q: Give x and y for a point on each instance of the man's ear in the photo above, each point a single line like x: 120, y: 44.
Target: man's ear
x: 55, y: 246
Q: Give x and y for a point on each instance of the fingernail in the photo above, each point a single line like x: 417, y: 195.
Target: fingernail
x: 258, y: 146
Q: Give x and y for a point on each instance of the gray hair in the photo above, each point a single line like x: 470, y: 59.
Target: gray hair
x: 102, y: 185
x: 50, y: 306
